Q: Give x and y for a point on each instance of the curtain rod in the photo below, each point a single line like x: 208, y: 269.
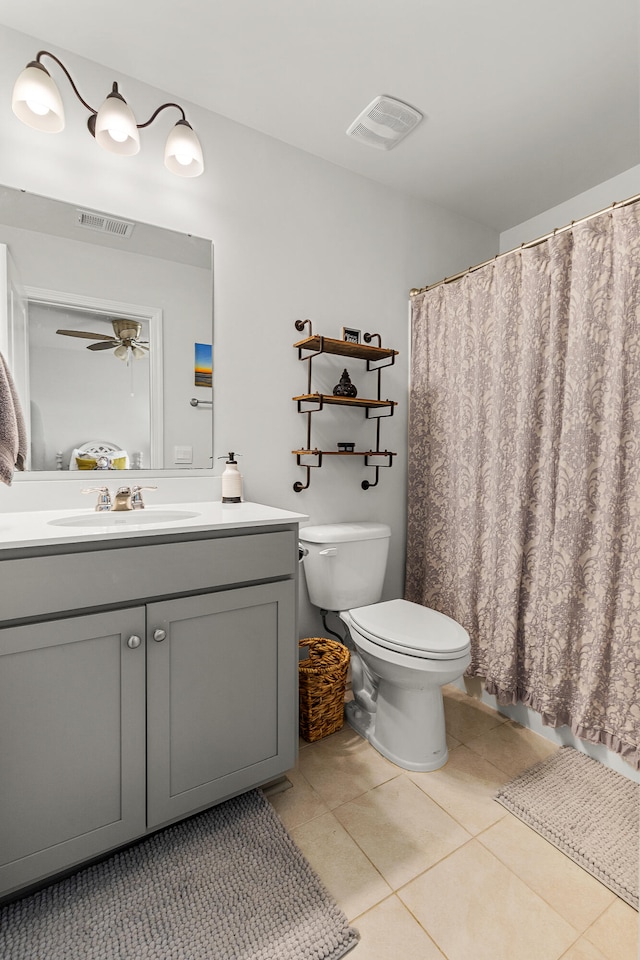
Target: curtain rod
x: 524, y: 246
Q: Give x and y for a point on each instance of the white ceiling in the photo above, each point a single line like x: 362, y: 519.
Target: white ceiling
x: 526, y: 102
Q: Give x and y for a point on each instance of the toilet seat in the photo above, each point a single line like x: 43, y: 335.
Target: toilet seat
x: 412, y: 629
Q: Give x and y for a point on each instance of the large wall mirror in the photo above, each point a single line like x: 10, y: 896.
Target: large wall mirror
x: 107, y: 327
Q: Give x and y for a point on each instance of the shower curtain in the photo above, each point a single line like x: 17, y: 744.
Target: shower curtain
x: 524, y: 474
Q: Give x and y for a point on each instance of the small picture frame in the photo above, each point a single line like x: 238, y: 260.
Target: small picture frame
x: 350, y: 335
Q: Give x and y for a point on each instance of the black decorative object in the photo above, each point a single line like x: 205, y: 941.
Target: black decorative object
x: 346, y: 446
x: 345, y: 388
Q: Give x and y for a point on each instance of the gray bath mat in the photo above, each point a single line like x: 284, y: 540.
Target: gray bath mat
x: 227, y: 884
x: 586, y: 810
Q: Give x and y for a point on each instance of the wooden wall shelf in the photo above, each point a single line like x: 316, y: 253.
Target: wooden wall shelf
x: 376, y: 408
x: 322, y: 398
x: 344, y: 453
x: 359, y: 351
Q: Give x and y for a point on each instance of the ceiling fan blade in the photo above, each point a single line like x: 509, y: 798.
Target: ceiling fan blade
x: 108, y: 345
x: 85, y: 334
x: 143, y: 344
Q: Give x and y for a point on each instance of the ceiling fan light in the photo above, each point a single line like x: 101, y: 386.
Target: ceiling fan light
x: 183, y: 152
x: 138, y: 353
x: 36, y: 99
x: 121, y: 352
x: 115, y: 126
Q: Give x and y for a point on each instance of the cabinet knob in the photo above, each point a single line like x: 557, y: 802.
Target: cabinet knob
x: 159, y: 635
x: 134, y: 642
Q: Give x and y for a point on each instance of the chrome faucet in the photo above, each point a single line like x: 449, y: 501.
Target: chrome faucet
x: 137, y: 503
x: 126, y: 498
x: 104, y: 498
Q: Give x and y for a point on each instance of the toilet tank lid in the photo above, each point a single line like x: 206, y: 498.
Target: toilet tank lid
x: 344, y: 532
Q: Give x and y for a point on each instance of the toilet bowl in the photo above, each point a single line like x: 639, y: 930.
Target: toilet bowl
x: 409, y: 653
x: 401, y: 652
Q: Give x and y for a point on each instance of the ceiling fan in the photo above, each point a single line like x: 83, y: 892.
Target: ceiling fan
x: 124, y: 341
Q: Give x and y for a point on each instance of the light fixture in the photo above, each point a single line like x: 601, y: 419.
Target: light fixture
x: 182, y: 152
x: 37, y: 102
x: 114, y: 125
x: 127, y: 351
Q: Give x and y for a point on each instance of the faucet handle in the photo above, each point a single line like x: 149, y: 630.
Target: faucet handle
x: 104, y: 497
x: 137, y: 503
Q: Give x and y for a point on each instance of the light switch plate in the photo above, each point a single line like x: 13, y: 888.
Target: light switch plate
x: 183, y: 454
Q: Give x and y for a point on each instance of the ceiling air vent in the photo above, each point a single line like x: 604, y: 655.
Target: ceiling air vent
x: 384, y: 123
x: 97, y: 221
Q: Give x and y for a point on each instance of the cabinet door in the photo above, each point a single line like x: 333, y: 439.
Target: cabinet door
x: 71, y: 742
x: 221, y: 696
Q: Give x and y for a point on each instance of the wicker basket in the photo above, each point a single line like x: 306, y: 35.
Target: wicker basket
x: 322, y: 680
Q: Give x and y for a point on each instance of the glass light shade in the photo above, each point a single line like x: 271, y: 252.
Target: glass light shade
x: 121, y: 352
x: 138, y: 353
x: 182, y: 152
x: 116, y: 129
x: 36, y: 100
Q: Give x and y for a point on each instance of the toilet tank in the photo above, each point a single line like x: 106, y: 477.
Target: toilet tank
x: 345, y: 563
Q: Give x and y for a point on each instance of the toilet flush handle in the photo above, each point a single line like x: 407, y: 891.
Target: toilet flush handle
x: 329, y: 552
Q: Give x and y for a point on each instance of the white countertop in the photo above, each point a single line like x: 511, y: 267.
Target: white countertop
x: 34, y: 528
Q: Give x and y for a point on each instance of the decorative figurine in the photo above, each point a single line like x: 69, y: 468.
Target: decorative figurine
x: 345, y: 388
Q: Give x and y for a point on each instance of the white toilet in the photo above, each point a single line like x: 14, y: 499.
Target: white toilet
x: 401, y: 653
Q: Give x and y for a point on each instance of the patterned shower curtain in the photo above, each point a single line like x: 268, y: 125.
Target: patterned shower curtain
x: 524, y: 474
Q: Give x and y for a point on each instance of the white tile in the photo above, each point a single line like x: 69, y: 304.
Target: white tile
x: 347, y: 874
x: 615, y: 933
x: 389, y: 931
x: 400, y: 829
x: 570, y: 890
x: 343, y: 766
x: 511, y: 747
x: 475, y: 908
x: 465, y: 787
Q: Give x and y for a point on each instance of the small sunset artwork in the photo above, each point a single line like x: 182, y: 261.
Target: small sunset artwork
x: 204, y: 365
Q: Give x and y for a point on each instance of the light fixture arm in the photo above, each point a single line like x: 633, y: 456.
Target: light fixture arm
x: 156, y: 112
x: 114, y: 90
x: 45, y: 53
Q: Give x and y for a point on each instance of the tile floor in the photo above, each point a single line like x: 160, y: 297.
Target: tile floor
x: 429, y: 866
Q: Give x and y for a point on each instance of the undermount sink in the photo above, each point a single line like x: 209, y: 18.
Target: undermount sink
x: 123, y: 518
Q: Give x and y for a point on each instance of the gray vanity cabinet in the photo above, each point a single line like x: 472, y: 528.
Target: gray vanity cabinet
x: 216, y: 723
x: 71, y: 741
x: 140, y: 684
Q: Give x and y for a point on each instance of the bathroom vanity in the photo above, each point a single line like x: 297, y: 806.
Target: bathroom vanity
x: 147, y: 671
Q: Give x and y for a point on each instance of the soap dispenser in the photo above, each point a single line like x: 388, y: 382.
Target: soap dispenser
x: 231, y: 481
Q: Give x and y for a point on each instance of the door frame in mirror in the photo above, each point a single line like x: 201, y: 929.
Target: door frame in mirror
x: 130, y: 311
